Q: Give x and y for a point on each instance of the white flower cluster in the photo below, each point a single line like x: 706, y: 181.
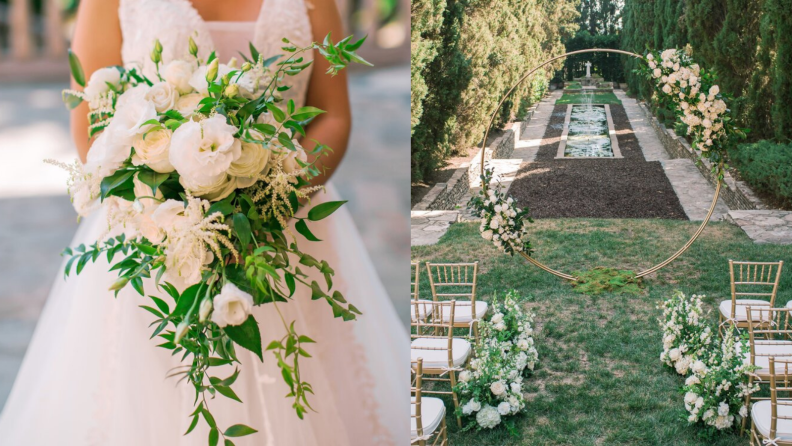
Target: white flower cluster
x: 715, y: 391
x: 502, y: 222
x: 703, y: 109
x: 686, y: 332
x: 212, y: 157
x: 492, y: 387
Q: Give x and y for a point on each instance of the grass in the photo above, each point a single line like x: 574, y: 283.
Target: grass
x: 599, y: 380
x: 572, y: 86
x: 598, y: 98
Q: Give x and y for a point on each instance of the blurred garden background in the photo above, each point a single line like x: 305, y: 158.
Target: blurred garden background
x: 38, y: 220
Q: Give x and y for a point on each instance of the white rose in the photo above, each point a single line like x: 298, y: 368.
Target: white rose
x: 699, y: 367
x: 690, y: 398
x: 198, y: 78
x: 674, y: 354
x: 497, y: 388
x: 187, y: 104
x: 290, y: 162
x: 743, y: 411
x: 132, y: 110
x: 464, y: 376
x: 251, y: 163
x: 504, y: 408
x: 516, y: 387
x: 163, y: 95
x: 494, y: 223
x: 214, y: 190
x: 106, y: 155
x: 153, y: 150
x: 203, y: 152
x: 232, y: 306
x: 97, y: 84
x: 649, y: 56
x: 178, y: 74
x: 466, y: 409
x: 475, y: 405
x: 691, y: 380
x: 667, y: 89
x: 714, y: 90
x: 487, y: 235
x: 657, y: 73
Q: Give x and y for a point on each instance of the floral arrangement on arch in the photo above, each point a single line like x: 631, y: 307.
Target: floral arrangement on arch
x: 201, y: 170
x: 715, y: 392
x: 491, y: 390
x: 693, y: 93
x: 502, y: 222
x: 686, y: 331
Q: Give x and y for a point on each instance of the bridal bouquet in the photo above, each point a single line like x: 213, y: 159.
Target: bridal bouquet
x: 492, y: 389
x: 201, y: 170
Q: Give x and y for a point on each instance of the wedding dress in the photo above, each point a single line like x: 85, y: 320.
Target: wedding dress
x: 92, y: 376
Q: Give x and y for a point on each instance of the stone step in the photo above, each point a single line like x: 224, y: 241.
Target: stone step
x: 426, y: 227
x: 764, y: 226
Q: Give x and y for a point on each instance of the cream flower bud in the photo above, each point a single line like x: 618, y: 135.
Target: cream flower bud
x: 211, y: 72
x: 181, y: 330
x: 231, y: 90
x: 193, y: 47
x: 205, y: 309
x: 118, y: 284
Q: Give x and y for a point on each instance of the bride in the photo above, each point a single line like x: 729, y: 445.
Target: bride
x: 92, y: 376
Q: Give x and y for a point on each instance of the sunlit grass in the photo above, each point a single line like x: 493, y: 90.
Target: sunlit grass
x: 581, y: 98
x: 599, y: 380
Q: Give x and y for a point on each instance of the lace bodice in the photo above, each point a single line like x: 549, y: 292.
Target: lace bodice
x: 174, y: 21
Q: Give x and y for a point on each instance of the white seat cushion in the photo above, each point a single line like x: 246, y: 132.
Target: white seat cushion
x: 432, y: 413
x: 741, y: 313
x: 424, y: 308
x: 766, y: 348
x: 435, y: 359
x: 761, y: 416
x: 789, y: 304
x: 462, y: 311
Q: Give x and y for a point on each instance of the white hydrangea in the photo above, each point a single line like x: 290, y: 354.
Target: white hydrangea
x: 488, y: 417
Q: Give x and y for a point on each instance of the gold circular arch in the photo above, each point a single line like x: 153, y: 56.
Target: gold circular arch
x: 540, y: 264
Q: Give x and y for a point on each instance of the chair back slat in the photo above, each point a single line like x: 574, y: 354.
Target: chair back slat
x: 453, y: 280
x: 754, y: 279
x: 780, y: 381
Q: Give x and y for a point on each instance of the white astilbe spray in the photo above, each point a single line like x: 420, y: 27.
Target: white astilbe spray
x: 84, y: 187
x: 276, y: 189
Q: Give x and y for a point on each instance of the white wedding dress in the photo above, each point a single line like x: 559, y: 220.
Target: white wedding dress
x: 92, y: 376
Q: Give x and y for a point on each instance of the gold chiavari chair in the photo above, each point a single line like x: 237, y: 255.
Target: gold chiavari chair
x: 750, y: 281
x: 771, y: 420
x: 458, y: 281
x: 443, y: 354
x: 427, y: 417
x: 420, y: 307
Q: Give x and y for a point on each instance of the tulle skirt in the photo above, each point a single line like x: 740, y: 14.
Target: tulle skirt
x: 92, y: 376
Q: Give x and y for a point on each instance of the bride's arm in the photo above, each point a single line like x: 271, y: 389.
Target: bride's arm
x: 327, y: 92
x: 97, y: 43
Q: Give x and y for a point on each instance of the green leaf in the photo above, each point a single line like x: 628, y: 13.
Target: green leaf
x: 286, y: 141
x: 137, y: 284
x: 306, y: 113
x: 76, y: 69
x: 356, y: 45
x: 115, y: 180
x: 186, y: 300
x: 302, y: 228
x: 324, y: 210
x: 152, y: 179
x: 289, y: 277
x: 246, y: 335
x: 160, y: 304
x: 224, y: 207
x: 214, y: 436
x: 71, y: 100
x: 227, y: 392
x: 253, y: 52
x: 146, y: 249
x: 192, y: 424
x: 228, y: 442
x: 242, y: 229
x: 239, y: 430
x: 277, y: 113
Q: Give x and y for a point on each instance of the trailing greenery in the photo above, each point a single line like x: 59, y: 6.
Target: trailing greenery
x: 767, y: 166
x: 466, y: 54
x: 601, y: 279
x: 599, y: 354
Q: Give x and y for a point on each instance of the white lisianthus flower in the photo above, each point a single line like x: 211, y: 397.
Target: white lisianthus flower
x: 515, y: 387
x: 657, y: 73
x: 714, y: 90
x: 198, y: 78
x: 153, y: 150
x: 475, y: 405
x: 232, y: 306
x: 178, y: 73
x: 106, y: 155
x: 98, y: 83
x: 132, y: 111
x: 252, y: 162
x: 498, y: 388
x: 169, y: 216
x: 163, y: 95
x: 488, y: 417
x: 504, y: 408
x: 185, y: 258
x: 147, y: 206
x: 464, y: 376
x: 466, y: 409
x: 203, y: 152
x: 187, y: 104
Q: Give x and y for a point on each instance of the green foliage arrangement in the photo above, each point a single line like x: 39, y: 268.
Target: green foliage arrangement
x: 465, y: 57
x: 607, y: 280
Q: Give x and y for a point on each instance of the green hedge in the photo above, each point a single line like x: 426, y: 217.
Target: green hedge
x: 767, y: 166
x: 466, y: 54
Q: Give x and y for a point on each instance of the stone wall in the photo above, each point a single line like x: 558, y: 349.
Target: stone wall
x: 736, y: 194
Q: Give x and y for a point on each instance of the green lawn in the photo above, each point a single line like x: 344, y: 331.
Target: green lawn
x: 572, y: 86
x: 599, y: 380
x: 598, y: 98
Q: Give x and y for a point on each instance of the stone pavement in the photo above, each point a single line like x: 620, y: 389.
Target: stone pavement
x: 39, y: 220
x: 426, y: 227
x: 764, y: 226
x: 695, y: 193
